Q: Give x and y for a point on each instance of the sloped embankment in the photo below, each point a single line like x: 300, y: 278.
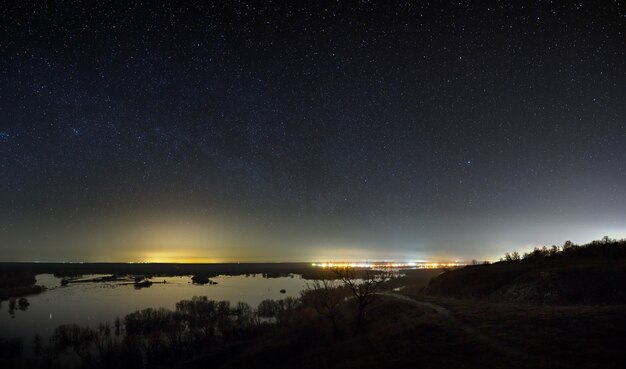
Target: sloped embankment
x: 546, y: 282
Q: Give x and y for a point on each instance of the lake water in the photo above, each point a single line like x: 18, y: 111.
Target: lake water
x: 88, y: 304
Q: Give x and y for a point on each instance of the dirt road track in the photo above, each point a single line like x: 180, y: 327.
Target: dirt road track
x: 449, y: 317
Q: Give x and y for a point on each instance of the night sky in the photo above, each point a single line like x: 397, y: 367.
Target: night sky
x: 249, y: 131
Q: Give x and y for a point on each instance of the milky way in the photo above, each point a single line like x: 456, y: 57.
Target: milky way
x: 267, y: 131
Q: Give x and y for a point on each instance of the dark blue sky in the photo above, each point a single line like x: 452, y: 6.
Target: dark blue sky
x: 271, y: 131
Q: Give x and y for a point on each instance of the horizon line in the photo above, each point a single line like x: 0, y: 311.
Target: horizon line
x: 313, y: 263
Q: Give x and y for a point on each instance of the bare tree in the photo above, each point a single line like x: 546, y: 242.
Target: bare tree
x: 363, y: 285
x: 567, y: 245
x: 324, y: 296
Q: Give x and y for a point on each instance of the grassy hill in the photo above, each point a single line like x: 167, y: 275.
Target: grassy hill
x: 589, y: 274
x: 401, y: 335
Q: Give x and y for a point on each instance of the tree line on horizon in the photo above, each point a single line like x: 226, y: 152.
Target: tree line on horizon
x: 605, y: 248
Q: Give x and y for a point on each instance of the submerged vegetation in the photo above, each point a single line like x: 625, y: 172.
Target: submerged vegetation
x: 161, y: 337
x: 154, y: 337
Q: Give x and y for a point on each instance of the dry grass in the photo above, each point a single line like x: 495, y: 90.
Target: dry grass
x: 550, y: 336
x: 401, y: 334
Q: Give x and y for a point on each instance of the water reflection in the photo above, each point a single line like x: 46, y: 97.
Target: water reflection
x: 23, y: 303
x: 89, y: 303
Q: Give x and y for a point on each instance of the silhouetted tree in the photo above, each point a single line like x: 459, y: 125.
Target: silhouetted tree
x: 118, y: 326
x: 224, y: 323
x: 268, y: 308
x: 287, y: 310
x: 104, y: 345
x: 245, y: 317
x: 363, y: 287
x: 554, y: 251
x: 37, y: 344
x: 324, y: 296
x: 200, y: 315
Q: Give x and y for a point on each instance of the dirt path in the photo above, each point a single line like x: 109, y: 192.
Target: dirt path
x: 449, y: 317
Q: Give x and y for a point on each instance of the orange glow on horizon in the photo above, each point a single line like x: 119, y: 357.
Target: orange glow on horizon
x: 176, y: 257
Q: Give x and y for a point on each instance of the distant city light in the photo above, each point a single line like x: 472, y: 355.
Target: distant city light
x: 389, y: 265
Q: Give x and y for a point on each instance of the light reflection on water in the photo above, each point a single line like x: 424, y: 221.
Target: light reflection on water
x: 88, y: 304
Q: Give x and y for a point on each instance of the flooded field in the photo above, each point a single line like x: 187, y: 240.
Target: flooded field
x: 89, y: 303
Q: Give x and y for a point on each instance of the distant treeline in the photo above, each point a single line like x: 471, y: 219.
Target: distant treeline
x: 605, y: 248
x: 16, y: 283
x: 62, y: 270
x: 16, y: 278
